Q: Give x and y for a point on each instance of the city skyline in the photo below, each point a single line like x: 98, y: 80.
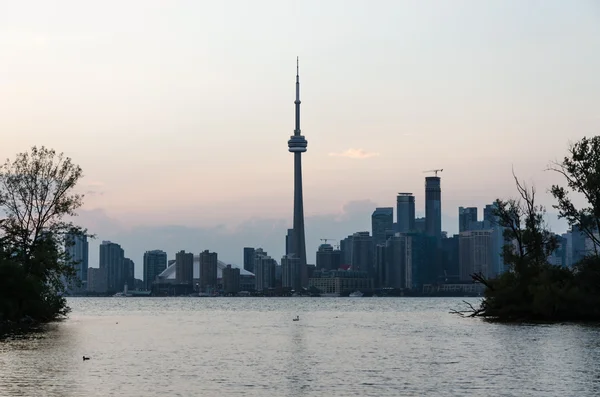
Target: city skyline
x: 150, y: 110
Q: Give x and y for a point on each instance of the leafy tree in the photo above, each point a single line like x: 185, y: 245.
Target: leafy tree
x: 36, y: 195
x: 581, y: 170
x: 528, y: 242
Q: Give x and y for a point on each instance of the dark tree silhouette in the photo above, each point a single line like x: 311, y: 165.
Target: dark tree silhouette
x: 36, y: 196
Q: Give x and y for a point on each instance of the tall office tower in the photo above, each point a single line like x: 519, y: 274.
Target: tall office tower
x: 291, y: 276
x: 208, y: 270
x: 231, y: 280
x: 433, y: 206
x: 488, y: 215
x: 289, y: 241
x: 382, y: 223
x: 450, y: 260
x: 96, y: 281
x: 184, y: 267
x: 362, y: 253
x: 297, y: 145
x: 396, y: 264
x: 328, y: 258
x: 77, y: 247
x: 405, y: 212
x: 466, y: 216
x: 155, y: 262
x: 264, y: 270
x: 346, y: 248
x: 475, y: 254
x: 129, y: 269
x: 249, y: 259
x: 111, y: 260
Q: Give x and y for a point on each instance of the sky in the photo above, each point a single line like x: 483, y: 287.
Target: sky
x: 179, y: 112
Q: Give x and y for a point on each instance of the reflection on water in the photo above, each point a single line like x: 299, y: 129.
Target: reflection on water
x: 340, y: 347
x: 297, y: 373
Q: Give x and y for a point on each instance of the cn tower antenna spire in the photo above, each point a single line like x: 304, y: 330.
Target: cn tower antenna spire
x: 297, y: 101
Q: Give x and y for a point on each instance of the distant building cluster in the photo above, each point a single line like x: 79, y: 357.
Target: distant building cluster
x: 407, y: 255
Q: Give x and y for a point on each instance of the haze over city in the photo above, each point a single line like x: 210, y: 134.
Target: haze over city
x: 179, y: 114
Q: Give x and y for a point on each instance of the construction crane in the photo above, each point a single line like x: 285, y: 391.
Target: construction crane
x: 325, y: 240
x: 436, y: 171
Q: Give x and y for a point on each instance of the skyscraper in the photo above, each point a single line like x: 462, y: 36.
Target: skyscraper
x: 362, y: 253
x: 129, y: 272
x: 297, y: 145
x: 433, y: 206
x: 77, y: 248
x: 111, y: 260
x: 382, y: 221
x: 328, y: 258
x: 184, y: 267
x: 155, y: 262
x: 208, y: 270
x: 249, y: 259
x: 405, y: 212
x: 466, y: 216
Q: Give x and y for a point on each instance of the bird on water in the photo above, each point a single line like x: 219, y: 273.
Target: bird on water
x: 85, y: 358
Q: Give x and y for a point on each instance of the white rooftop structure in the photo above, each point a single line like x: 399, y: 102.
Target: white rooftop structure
x: 169, y: 272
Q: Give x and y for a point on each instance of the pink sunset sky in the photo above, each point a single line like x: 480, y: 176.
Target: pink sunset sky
x: 179, y: 112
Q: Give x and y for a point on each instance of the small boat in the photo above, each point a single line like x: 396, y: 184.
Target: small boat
x: 296, y: 319
x: 356, y: 294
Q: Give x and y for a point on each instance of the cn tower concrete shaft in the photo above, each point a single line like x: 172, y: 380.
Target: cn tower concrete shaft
x: 297, y: 145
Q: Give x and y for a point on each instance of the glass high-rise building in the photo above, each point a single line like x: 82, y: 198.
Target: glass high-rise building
x: 466, y: 217
x: 433, y: 206
x: 112, y: 260
x: 155, y: 262
x: 405, y: 212
x: 249, y: 259
x: 208, y: 270
x: 382, y: 222
x: 78, y: 249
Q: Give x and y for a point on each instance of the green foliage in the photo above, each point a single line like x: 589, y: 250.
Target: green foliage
x: 36, y: 194
x: 582, y: 173
x: 533, y: 289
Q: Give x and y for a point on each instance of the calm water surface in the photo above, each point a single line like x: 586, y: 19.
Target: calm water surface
x: 340, y: 347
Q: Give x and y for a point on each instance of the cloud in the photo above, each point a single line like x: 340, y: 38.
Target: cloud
x: 355, y: 154
x: 94, y: 184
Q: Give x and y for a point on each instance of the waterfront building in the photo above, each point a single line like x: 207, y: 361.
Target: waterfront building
x: 328, y: 258
x: 77, y: 248
x: 340, y: 281
x: 111, y: 260
x: 249, y: 259
x: 291, y: 274
x: 208, y: 271
x: 155, y: 262
x: 231, y: 279
x: 184, y: 261
x: 476, y: 254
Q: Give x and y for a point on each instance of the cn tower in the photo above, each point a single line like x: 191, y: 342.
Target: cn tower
x: 297, y: 145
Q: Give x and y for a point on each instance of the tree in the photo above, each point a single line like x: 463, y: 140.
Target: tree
x: 528, y: 242
x: 36, y: 195
x: 581, y: 170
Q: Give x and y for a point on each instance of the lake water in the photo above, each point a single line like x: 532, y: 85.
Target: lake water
x: 340, y: 347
